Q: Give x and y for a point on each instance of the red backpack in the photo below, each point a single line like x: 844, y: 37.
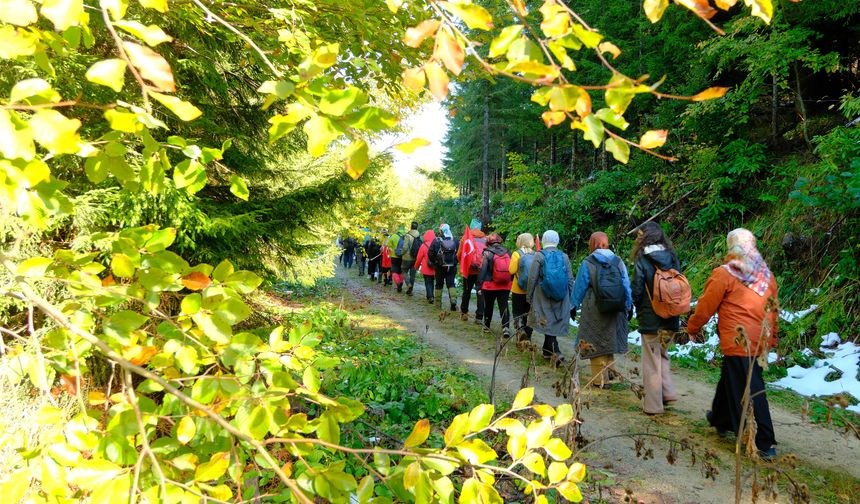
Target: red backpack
x: 477, y: 256
x: 501, y: 269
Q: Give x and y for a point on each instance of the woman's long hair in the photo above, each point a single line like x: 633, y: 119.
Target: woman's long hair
x: 651, y: 233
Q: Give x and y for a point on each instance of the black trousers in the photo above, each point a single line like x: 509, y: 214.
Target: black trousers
x: 372, y: 267
x: 493, y: 297
x: 396, y: 265
x: 429, y: 280
x: 470, y: 283
x: 726, y: 408
x: 550, y: 346
x: 445, y: 275
x: 520, y: 307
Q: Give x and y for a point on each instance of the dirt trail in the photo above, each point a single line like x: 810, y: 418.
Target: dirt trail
x: 614, y: 412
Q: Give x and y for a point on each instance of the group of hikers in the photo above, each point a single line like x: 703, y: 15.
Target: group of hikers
x: 546, y: 295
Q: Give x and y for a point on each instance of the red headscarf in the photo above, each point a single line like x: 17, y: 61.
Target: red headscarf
x: 598, y: 240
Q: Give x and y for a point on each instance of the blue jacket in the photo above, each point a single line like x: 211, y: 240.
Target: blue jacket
x: 583, y: 278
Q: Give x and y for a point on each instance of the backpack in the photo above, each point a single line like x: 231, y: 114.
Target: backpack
x: 609, y: 293
x: 447, y: 255
x: 523, y: 268
x: 398, y: 251
x: 671, y: 293
x: 501, y: 269
x: 554, y: 284
x: 477, y: 256
x: 414, y: 247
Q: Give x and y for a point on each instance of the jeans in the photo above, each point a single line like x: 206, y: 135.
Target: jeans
x: 445, y: 276
x: 409, y: 273
x: 348, y: 256
x: 520, y: 307
x: 499, y: 297
x: 429, y: 280
x: 470, y: 283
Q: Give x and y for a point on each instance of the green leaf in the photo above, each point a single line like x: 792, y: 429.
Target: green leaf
x: 590, y: 38
x: 186, y: 430
x: 321, y: 131
x: 480, y: 417
x: 524, y: 398
x: 458, y: 429
x: 152, y: 34
x: 239, y: 187
x: 183, y: 109
x: 213, y: 326
x: 35, y: 91
x: 328, y: 429
x: 33, y: 266
x: 609, y: 116
x: 191, y: 175
x: 357, y: 159
x: 371, y: 119
x: 594, y: 129
x: 500, y: 44
x: 214, y: 469
x: 259, y: 421
x: 419, y: 434
x: 243, y: 281
x: 121, y: 324
x: 523, y: 49
x: 160, y: 239
x: 365, y: 489
x: 619, y: 149
x: 564, y: 98
x: 338, y: 102
x: 475, y: 16
x: 186, y: 358
x: 122, y: 266
x: 204, y: 390
x: 282, y: 89
x: 311, y: 379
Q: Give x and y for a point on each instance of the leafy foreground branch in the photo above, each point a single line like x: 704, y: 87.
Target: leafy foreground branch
x: 200, y: 403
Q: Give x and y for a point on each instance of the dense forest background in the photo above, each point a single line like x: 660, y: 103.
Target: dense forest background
x: 779, y: 154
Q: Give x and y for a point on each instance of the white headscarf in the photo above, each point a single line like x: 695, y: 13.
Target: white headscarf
x: 550, y: 238
x: 446, y: 231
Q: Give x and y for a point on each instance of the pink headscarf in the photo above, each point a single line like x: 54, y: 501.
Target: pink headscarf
x: 744, y: 261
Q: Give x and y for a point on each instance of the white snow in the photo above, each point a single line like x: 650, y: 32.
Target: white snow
x: 830, y: 340
x: 574, y: 323
x: 811, y: 381
x: 790, y: 316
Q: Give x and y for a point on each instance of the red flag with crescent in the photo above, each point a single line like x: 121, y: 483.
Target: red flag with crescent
x: 537, y: 243
x: 467, y: 246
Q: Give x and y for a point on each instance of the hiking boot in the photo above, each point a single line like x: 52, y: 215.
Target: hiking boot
x: 479, y: 320
x: 709, y: 415
x: 767, y: 455
x: 399, y: 287
x: 506, y: 333
x: 464, y: 317
x: 453, y: 307
x: 431, y: 300
x: 409, y: 291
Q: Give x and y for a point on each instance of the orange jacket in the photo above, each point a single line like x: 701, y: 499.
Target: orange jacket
x: 737, y: 306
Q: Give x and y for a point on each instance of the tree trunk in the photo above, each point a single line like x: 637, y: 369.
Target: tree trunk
x: 485, y: 192
x: 801, y: 106
x: 573, y: 156
x: 504, y: 167
x: 534, y: 152
x: 774, y: 133
x: 603, y: 165
x: 553, y: 155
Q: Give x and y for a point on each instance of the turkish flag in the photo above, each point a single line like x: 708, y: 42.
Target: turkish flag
x: 537, y: 243
x: 467, y: 246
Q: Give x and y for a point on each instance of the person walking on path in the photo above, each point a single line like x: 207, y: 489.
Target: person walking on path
x: 422, y: 263
x: 602, y: 289
x: 521, y: 261
x: 653, y: 251
x: 743, y: 293
x: 470, y: 252
x: 361, y: 257
x: 549, y: 293
x: 443, y: 256
x: 385, y: 259
x: 408, y: 252
x: 393, y: 243
x: 494, y: 282
x: 349, y: 251
x: 374, y: 259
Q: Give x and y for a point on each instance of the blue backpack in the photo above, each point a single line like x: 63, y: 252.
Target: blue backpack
x: 554, y: 284
x: 523, y: 268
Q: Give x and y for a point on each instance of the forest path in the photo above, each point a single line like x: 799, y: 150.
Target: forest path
x: 611, y: 414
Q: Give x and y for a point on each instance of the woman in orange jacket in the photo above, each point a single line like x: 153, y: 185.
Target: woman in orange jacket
x: 743, y: 292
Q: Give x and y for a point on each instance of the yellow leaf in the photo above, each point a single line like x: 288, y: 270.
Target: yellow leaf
x: 214, y: 469
x: 609, y: 47
x: 159, y: 5
x: 18, y: 12
x: 710, y: 93
x: 186, y: 430
x: 570, y: 491
x: 520, y: 7
x: 500, y: 44
x: 321, y: 132
x: 55, y: 132
x: 413, y: 78
x: 357, y: 159
x: 576, y: 472
x: 449, y: 51
x: 524, y: 398
x: 16, y: 42
x: 534, y: 463
x: 725, y: 4
x: 394, y: 5
x: 476, y: 451
x: 654, y: 9
x: 619, y: 150
x: 557, y: 471
x: 654, y: 138
x: 516, y: 446
x: 511, y: 426
x: 761, y: 8
x: 16, y: 137
x: 152, y: 34
x: 556, y: 21
x: 417, y: 34
x: 183, y: 109
x: 152, y: 66
x: 419, y: 434
x: 437, y: 80
x: 116, y: 8
x: 551, y: 118
x: 412, y: 145
x: 109, y: 72
x: 475, y: 16
x: 700, y: 7
x: 63, y: 13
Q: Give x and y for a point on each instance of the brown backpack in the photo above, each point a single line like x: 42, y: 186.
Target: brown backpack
x: 671, y: 293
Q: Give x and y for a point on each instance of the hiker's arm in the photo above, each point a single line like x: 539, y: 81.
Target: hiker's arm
x: 485, y: 273
x: 709, y: 302
x: 637, y: 287
x: 625, y: 281
x: 533, y: 276
x: 515, y: 262
x: 580, y: 286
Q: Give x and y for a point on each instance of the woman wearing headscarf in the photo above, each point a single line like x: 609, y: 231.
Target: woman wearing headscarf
x: 520, y: 306
x: 422, y: 262
x: 550, y: 314
x: 743, y: 293
x: 653, y: 250
x: 443, y: 255
x: 494, y: 282
x: 605, y: 332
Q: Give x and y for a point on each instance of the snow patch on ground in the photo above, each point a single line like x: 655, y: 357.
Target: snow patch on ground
x: 845, y: 358
x: 790, y: 316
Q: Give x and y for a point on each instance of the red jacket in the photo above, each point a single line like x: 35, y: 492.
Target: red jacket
x: 423, y: 260
x: 386, y: 257
x: 737, y: 306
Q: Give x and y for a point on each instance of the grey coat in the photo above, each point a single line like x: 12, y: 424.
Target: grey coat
x: 547, y: 316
